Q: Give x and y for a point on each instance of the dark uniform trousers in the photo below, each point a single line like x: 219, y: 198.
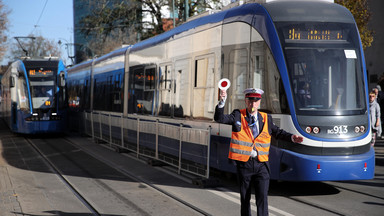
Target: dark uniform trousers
x: 253, y: 172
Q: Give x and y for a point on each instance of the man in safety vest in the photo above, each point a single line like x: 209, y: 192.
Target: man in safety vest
x: 249, y: 147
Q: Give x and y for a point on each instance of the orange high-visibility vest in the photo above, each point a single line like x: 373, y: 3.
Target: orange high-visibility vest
x: 242, y: 142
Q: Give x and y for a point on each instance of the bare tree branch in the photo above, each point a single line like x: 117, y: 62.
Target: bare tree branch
x: 4, y: 12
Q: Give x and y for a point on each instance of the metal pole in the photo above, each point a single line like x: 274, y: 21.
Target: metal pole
x: 157, y: 139
x: 138, y: 137
x: 186, y: 10
x: 110, y: 130
x: 101, y: 131
x: 208, y: 150
x: 85, y: 122
x: 180, y: 146
x: 173, y: 13
x: 92, y: 128
x: 122, y: 130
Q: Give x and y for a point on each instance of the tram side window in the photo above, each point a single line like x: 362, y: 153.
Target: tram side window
x: 109, y: 93
x: 203, y: 92
x: 78, y: 97
x: 100, y: 96
x: 80, y: 93
x: 165, y: 90
x: 106, y: 93
x: 265, y: 75
x: 149, y: 89
x: 238, y: 67
x: 118, y: 92
x: 276, y: 98
x: 72, y: 94
x: 23, y: 95
x: 97, y: 94
x: 136, y: 90
x: 86, y: 97
x: 62, y: 94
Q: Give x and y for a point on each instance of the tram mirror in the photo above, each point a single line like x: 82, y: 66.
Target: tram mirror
x: 62, y: 79
x: 12, y: 82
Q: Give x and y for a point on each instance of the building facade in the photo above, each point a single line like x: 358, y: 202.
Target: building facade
x: 374, y: 55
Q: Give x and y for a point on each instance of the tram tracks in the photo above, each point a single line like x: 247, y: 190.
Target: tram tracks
x: 58, y: 173
x: 51, y: 153
x: 147, y: 183
x: 138, y: 179
x: 305, y: 197
x: 331, y: 198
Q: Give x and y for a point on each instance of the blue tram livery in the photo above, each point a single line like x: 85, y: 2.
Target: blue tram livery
x: 34, y: 96
x: 306, y: 56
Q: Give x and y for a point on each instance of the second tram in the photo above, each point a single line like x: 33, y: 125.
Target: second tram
x: 34, y: 96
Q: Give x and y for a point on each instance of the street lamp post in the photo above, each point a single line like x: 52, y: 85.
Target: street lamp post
x: 72, y: 57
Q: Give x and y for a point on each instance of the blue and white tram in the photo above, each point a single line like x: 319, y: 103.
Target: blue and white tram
x: 34, y: 96
x: 306, y: 56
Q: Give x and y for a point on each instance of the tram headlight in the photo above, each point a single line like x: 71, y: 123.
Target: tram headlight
x: 359, y: 129
x: 314, y: 130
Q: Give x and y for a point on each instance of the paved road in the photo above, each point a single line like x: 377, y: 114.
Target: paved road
x: 29, y: 187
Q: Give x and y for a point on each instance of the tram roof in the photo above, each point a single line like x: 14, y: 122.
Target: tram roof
x: 311, y: 11
x: 319, y: 11
x: 41, y: 62
x: 80, y: 66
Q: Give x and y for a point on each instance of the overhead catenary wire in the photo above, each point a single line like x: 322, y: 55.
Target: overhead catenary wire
x: 41, y: 14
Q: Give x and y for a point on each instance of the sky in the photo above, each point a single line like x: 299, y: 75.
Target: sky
x: 52, y: 19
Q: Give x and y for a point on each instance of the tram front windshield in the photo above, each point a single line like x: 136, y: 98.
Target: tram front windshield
x: 324, y: 67
x: 42, y: 85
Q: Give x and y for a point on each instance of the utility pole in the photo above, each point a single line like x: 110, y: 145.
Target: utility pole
x: 186, y: 10
x: 173, y: 13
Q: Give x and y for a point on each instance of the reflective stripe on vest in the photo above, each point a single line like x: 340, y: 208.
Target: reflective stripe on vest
x: 242, y: 142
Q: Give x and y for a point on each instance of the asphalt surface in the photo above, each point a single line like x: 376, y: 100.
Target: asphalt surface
x: 121, y: 184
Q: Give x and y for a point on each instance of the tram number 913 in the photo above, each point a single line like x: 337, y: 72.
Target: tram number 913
x: 341, y: 129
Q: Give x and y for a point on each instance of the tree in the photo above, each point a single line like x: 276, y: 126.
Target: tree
x: 3, y: 28
x: 362, y: 15
x: 108, y: 16
x: 195, y: 7
x: 111, y: 22
x: 38, y: 47
x: 154, y: 8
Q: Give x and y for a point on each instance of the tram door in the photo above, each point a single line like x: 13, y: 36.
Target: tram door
x: 182, y: 90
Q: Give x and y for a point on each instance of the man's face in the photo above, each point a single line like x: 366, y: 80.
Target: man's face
x: 252, y: 105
